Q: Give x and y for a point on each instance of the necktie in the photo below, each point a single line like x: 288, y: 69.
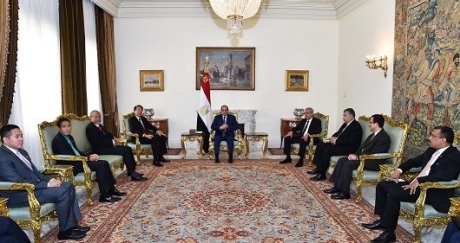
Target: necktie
x: 342, y: 130
x: 75, y: 150
x: 305, y: 129
x: 101, y: 128
x: 427, y: 168
x: 24, y: 160
x: 140, y: 120
x: 225, y: 119
x: 224, y: 132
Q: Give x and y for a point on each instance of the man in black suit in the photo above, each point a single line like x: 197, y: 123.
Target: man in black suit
x: 377, y: 142
x: 149, y: 134
x: 301, y: 134
x: 16, y: 166
x: 440, y: 162
x: 64, y: 144
x: 345, y: 141
x: 103, y: 142
x: 10, y: 232
x: 225, y: 126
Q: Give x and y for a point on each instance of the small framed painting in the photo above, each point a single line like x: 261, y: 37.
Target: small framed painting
x: 297, y: 80
x: 151, y: 80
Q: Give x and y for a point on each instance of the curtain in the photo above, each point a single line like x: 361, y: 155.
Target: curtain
x: 4, y: 33
x: 38, y: 78
x: 73, y: 63
x: 107, y: 73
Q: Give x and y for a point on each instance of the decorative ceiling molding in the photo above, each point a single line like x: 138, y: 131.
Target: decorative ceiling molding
x: 282, y: 9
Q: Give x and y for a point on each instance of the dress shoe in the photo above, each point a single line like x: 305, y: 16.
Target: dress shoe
x: 162, y: 159
x: 318, y: 177
x: 332, y: 190
x: 81, y: 228
x: 216, y: 158
x: 70, y: 235
x: 230, y: 159
x: 138, y: 178
x: 140, y: 174
x: 116, y: 192
x: 387, y: 236
x: 374, y: 226
x: 109, y: 199
x: 312, y: 172
x: 286, y: 161
x: 299, y: 163
x: 340, y: 195
x: 156, y: 163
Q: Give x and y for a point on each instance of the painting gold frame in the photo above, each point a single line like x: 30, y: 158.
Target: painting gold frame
x: 151, y: 80
x: 297, y: 80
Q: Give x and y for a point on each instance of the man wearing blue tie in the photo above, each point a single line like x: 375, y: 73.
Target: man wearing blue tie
x: 225, y: 126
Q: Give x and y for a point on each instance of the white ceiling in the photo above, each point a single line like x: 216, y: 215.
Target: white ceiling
x: 298, y: 9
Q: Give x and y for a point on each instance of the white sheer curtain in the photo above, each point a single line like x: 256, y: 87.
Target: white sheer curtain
x: 92, y: 71
x: 38, y: 81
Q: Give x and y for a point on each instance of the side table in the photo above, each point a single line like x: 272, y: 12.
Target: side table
x: 186, y: 136
x: 256, y: 137
x: 162, y: 125
x: 285, y: 126
x: 3, y: 207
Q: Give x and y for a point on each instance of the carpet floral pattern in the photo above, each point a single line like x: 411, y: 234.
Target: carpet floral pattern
x: 248, y: 201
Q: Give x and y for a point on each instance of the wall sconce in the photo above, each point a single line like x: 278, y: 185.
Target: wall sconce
x: 373, y: 63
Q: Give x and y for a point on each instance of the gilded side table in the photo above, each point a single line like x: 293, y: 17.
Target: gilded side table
x: 285, y: 126
x: 186, y: 136
x: 256, y: 137
x: 3, y: 207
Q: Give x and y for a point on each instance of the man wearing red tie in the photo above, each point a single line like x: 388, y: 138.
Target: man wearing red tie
x: 440, y: 162
x: 225, y: 126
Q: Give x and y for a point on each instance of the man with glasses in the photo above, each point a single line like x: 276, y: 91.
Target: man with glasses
x: 440, y: 162
x: 377, y: 142
x: 345, y: 141
x: 225, y: 126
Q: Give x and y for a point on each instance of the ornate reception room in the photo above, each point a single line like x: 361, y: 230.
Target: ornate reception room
x: 180, y: 66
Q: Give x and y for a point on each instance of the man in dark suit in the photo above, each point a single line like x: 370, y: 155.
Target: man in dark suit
x: 64, y: 144
x: 301, y: 134
x: 440, y: 162
x: 377, y: 142
x: 225, y: 126
x: 16, y: 166
x: 149, y: 134
x: 345, y: 141
x: 10, y: 232
x: 103, y: 142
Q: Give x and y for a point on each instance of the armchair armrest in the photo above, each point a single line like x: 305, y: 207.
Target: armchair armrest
x: 71, y: 158
x: 29, y: 188
x: 420, y: 203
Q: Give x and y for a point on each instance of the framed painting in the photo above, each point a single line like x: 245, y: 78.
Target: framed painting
x: 229, y: 68
x: 151, y: 80
x: 297, y: 80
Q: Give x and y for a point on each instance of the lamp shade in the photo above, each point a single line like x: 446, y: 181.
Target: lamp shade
x: 231, y: 8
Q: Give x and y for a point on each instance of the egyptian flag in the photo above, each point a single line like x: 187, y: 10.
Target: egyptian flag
x: 204, y: 118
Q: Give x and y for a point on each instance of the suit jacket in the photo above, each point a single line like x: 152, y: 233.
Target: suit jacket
x: 445, y: 168
x: 98, y: 138
x: 314, y: 128
x: 12, y: 169
x: 350, y: 137
x: 219, y: 121
x: 61, y: 146
x: 136, y: 127
x: 379, y: 144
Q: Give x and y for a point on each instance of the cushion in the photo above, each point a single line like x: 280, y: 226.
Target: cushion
x: 24, y: 212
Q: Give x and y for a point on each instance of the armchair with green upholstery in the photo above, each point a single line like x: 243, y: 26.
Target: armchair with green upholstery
x: 132, y: 139
x: 312, y: 147
x: 398, y: 134
x: 239, y: 143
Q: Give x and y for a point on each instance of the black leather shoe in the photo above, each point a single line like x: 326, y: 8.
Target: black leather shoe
x: 81, y: 228
x: 340, y: 196
x: 216, y: 158
x: 332, y: 190
x: 70, y: 235
x: 162, y: 159
x: 286, y: 161
x: 138, y: 178
x: 109, y: 199
x: 318, y: 177
x: 157, y: 163
x: 374, y: 226
x: 312, y: 172
x: 140, y: 174
x: 388, y: 236
x: 230, y: 159
x: 116, y: 192
x: 299, y: 163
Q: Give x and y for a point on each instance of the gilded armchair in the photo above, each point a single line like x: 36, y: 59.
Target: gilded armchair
x: 132, y: 139
x: 398, y: 134
x: 312, y: 147
x: 239, y: 143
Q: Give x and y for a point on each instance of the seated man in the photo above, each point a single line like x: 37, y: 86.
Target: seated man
x: 16, y: 166
x: 64, y: 144
x: 345, y: 141
x: 10, y: 232
x: 378, y: 142
x: 301, y: 134
x: 440, y: 162
x: 149, y: 134
x: 103, y: 142
x: 451, y: 234
x: 225, y: 126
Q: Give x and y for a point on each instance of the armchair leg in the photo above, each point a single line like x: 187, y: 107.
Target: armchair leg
x: 359, y: 188
x: 417, y: 231
x: 36, y: 228
x: 89, y: 191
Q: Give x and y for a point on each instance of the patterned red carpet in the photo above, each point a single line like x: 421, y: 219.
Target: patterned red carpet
x: 248, y: 201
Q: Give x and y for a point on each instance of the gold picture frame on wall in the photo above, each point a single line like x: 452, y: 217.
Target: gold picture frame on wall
x: 151, y: 80
x: 297, y: 80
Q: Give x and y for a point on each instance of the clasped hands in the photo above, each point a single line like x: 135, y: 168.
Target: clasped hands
x: 224, y: 126
x: 412, y: 186
x: 54, y: 183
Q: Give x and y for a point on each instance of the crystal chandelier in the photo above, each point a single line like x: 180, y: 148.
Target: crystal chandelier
x: 234, y: 11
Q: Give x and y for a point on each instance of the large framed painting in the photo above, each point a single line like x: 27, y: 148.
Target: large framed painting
x: 229, y: 68
x: 151, y: 80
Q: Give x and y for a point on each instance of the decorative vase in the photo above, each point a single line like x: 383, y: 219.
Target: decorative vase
x: 298, y: 113
x: 148, y: 113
